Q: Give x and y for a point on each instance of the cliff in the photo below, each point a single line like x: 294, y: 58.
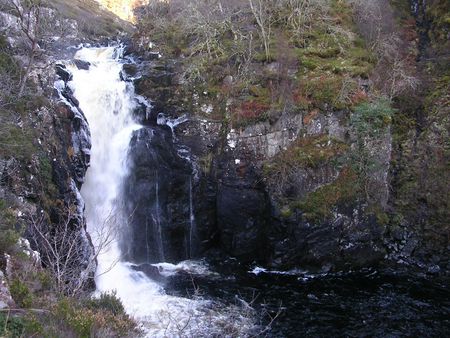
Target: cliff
x: 310, y: 143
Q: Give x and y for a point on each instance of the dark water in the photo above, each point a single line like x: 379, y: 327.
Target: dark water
x: 361, y: 304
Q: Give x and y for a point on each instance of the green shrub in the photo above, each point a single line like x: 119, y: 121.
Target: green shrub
x: 11, y: 326
x: 93, y: 317
x: 369, y: 122
x: 45, y: 278
x: 107, y: 301
x: 371, y: 118
x: 81, y: 322
x: 21, y: 293
x: 8, y: 233
x: 8, y: 238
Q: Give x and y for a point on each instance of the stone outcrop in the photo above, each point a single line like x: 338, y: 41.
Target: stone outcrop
x: 238, y: 210
x: 156, y: 195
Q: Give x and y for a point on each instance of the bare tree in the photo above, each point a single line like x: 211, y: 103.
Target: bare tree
x: 29, y: 13
x: 61, y: 248
x: 264, y: 15
x: 64, y: 249
x: 299, y: 15
x: 395, y: 73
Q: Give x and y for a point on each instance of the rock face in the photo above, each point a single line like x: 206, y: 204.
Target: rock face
x: 6, y: 300
x: 157, y: 195
x: 70, y: 139
x: 306, y: 187
x: 237, y: 208
x: 284, y: 235
x: 42, y: 190
x: 242, y: 211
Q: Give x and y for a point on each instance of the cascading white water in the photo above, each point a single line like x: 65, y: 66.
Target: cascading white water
x: 108, y: 103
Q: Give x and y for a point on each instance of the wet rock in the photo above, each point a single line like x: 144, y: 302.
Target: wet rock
x: 68, y: 94
x: 130, y: 69
x: 63, y: 73
x: 153, y: 55
x: 6, y: 301
x: 242, y: 211
x: 81, y: 64
x: 434, y: 269
x: 157, y: 193
x: 150, y: 270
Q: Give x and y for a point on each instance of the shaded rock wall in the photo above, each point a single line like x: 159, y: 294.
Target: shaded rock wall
x: 239, y: 211
x: 156, y: 196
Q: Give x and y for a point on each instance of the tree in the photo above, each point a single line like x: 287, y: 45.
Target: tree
x: 30, y: 19
x: 64, y: 248
x: 264, y: 15
x: 395, y: 72
x: 370, y: 125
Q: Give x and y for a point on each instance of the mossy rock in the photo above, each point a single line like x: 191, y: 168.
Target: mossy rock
x: 319, y: 204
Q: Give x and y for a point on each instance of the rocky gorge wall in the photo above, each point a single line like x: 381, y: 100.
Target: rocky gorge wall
x: 287, y: 191
x: 236, y: 204
x: 45, y: 145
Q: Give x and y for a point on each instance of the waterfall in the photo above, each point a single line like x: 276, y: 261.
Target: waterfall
x: 108, y: 104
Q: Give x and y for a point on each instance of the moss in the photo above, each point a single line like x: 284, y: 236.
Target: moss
x: 319, y: 204
x: 45, y: 170
x: 309, y: 63
x: 251, y: 110
x: 15, y: 140
x: 381, y: 216
x: 324, y: 52
x: 310, y: 152
x: 286, y: 211
x: 259, y: 91
x: 9, y: 230
x: 7, y: 64
x: 317, y: 150
x: 325, y: 90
